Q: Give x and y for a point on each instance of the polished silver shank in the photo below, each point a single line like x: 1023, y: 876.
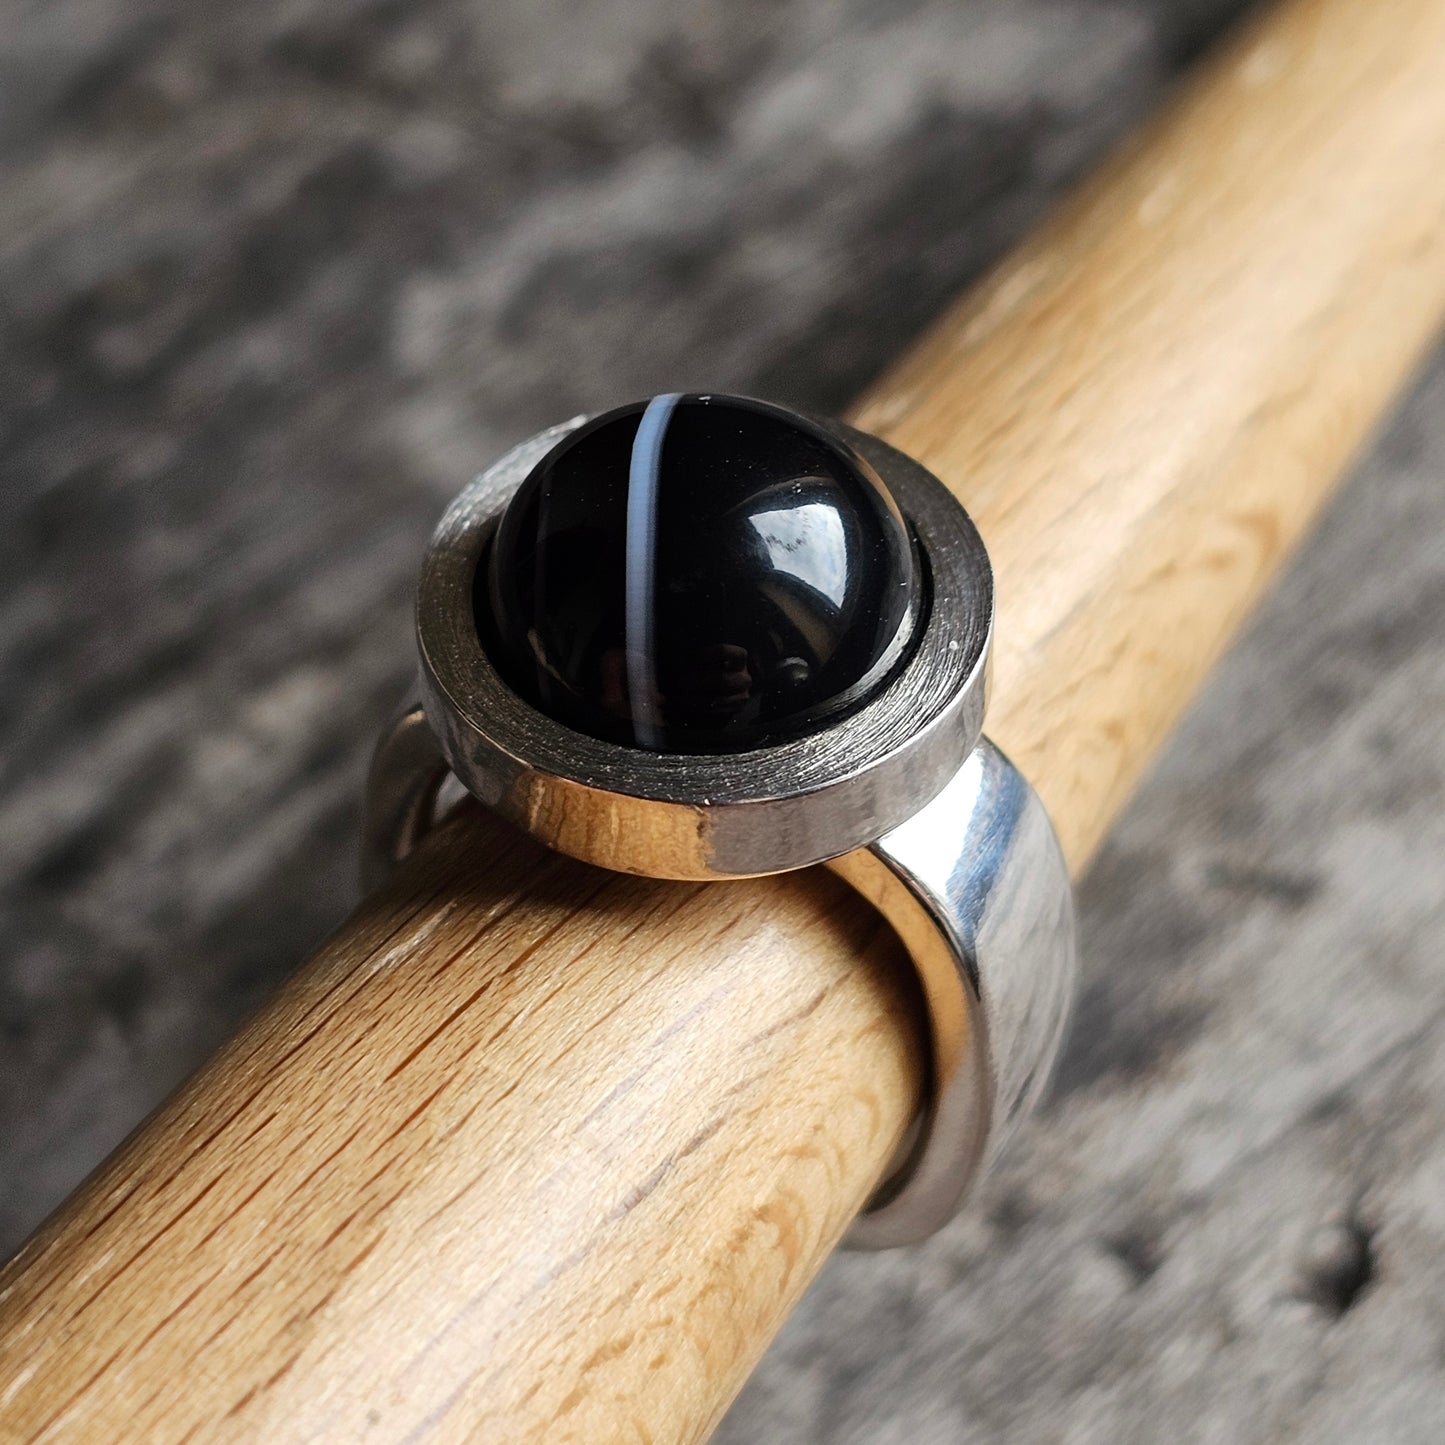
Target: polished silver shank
x: 976, y: 886
x: 688, y: 816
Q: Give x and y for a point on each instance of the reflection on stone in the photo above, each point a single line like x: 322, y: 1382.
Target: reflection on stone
x: 699, y: 574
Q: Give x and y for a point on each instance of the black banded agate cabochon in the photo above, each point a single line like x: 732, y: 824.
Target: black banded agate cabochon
x: 699, y: 574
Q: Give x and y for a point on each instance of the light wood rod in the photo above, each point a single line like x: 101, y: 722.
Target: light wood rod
x: 529, y: 1152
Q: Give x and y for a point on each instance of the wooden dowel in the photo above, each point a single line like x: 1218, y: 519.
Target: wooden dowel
x: 1146, y: 405
x: 529, y: 1152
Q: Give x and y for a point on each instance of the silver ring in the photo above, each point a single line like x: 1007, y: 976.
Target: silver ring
x: 899, y: 794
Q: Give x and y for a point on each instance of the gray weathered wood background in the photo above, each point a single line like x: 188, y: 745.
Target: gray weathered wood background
x: 276, y: 277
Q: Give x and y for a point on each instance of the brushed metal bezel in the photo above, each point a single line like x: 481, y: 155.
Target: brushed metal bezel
x: 672, y: 815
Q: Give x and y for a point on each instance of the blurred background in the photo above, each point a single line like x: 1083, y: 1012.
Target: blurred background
x: 277, y: 278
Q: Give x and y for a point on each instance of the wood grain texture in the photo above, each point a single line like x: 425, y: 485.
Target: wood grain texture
x: 1146, y: 446
x: 1144, y: 406
x: 405, y: 1194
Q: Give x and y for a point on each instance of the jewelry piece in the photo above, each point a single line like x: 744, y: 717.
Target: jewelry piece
x: 705, y: 637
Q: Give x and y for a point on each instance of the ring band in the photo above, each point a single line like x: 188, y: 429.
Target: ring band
x: 976, y: 887
x: 900, y: 794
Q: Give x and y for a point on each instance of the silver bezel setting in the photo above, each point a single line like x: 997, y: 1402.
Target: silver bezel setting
x: 673, y: 815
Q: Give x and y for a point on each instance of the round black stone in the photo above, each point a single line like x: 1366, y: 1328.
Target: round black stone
x: 699, y: 574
